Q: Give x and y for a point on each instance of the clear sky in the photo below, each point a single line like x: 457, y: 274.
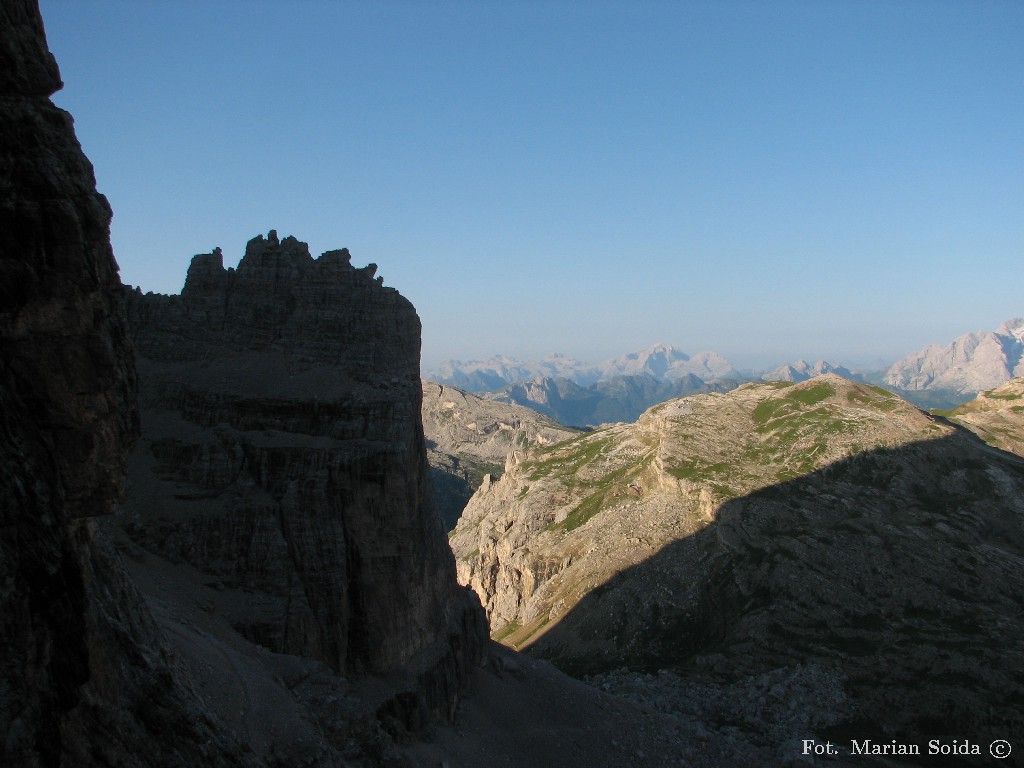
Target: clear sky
x: 769, y: 180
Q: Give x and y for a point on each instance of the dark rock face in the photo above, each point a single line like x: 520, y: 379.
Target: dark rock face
x: 82, y: 661
x: 283, y: 457
x: 282, y: 404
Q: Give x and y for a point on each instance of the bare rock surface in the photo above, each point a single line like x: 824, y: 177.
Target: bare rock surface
x: 86, y: 677
x: 469, y: 437
x: 285, y: 595
x: 969, y: 364
x: 282, y: 457
x: 819, y: 558
x: 996, y: 416
x: 523, y: 713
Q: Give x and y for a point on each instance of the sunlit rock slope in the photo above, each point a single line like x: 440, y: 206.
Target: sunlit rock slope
x: 469, y: 437
x: 996, y: 416
x: 825, y: 538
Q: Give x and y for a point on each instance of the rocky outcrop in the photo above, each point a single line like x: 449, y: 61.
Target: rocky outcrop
x: 282, y: 456
x: 468, y: 439
x: 86, y: 678
x: 967, y: 365
x: 819, y: 557
x: 996, y: 416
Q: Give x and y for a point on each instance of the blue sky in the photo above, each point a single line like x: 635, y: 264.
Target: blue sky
x: 838, y: 180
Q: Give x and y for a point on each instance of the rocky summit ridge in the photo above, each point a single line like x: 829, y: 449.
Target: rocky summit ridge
x: 996, y: 416
x: 819, y: 557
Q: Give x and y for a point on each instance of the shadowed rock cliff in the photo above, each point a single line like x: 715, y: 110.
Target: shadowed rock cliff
x: 282, y: 457
x: 85, y: 676
x: 282, y: 489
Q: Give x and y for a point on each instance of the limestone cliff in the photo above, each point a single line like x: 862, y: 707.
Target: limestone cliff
x: 968, y: 364
x: 282, y: 456
x: 996, y: 416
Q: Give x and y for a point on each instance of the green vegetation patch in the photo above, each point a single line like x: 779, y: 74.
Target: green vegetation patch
x: 1011, y: 396
x: 697, y: 470
x: 595, y: 501
x: 812, y: 395
x: 725, y: 491
x: 509, y: 629
x: 585, y: 510
x: 879, y: 398
x: 777, y: 407
x: 883, y: 392
x: 796, y: 429
x: 567, y: 457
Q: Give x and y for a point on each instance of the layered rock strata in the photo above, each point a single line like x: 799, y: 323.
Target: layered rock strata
x: 996, y: 416
x: 282, y: 456
x: 967, y: 365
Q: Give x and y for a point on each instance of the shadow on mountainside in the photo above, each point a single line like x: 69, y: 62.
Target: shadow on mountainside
x: 879, y: 597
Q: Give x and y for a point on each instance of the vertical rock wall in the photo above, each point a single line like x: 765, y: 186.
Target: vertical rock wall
x: 66, y: 391
x: 287, y: 415
x: 81, y: 661
x: 283, y: 455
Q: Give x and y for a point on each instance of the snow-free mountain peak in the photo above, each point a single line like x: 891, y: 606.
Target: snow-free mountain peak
x: 663, y: 362
x: 970, y: 363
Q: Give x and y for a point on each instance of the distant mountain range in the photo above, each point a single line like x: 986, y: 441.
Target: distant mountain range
x: 802, y: 371
x: 967, y: 365
x: 618, y: 398
x: 662, y: 362
x: 936, y: 376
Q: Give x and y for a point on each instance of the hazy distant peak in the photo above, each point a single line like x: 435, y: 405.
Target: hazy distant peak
x: 656, y: 350
x: 667, y: 362
x: 661, y: 361
x: 1013, y: 327
x: 970, y: 363
x: 801, y: 370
